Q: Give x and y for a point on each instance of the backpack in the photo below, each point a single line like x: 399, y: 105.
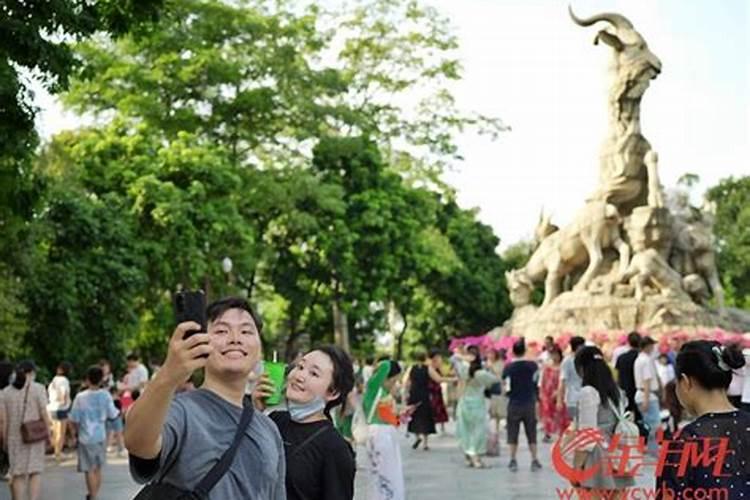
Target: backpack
x: 629, y: 439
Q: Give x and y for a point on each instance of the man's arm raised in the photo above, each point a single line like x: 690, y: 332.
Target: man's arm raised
x: 147, y: 415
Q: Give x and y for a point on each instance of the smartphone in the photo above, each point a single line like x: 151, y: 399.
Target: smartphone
x: 191, y: 306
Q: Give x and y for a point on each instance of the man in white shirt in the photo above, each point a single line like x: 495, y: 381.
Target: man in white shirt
x: 137, y: 375
x: 569, y: 387
x: 648, y: 389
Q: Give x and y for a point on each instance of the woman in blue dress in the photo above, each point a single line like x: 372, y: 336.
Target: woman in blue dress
x: 471, y: 412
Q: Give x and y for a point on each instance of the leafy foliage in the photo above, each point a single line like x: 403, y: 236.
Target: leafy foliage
x: 732, y: 229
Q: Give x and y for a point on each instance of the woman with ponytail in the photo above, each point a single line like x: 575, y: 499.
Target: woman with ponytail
x: 600, y: 405
x: 319, y: 462
x: 23, y: 401
x: 704, y: 371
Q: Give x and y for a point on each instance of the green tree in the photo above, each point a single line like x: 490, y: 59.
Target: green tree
x: 398, y: 58
x: 36, y: 38
x: 732, y: 229
x: 229, y: 73
x: 87, y: 267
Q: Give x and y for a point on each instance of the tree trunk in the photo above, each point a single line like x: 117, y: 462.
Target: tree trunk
x: 400, y: 340
x: 291, y: 338
x: 340, y: 327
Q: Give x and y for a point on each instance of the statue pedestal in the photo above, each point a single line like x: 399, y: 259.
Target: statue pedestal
x: 582, y: 313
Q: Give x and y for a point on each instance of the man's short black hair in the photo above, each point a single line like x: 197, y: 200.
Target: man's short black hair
x: 519, y: 348
x: 94, y: 375
x: 132, y: 357
x: 576, y: 342
x: 647, y: 341
x: 634, y: 340
x: 216, y: 309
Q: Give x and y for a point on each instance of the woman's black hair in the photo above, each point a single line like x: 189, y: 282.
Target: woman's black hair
x: 671, y: 401
x: 475, y: 365
x: 590, y: 364
x: 709, y: 363
x: 6, y: 370
x: 395, y: 368
x: 22, y: 370
x: 342, y: 380
x: 435, y: 352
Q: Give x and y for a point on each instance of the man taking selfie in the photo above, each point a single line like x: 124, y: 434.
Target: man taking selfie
x: 178, y: 440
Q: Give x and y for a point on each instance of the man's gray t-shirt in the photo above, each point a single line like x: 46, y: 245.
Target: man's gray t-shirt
x: 200, y: 426
x: 572, y: 380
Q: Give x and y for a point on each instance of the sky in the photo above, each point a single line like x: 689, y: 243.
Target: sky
x: 527, y: 63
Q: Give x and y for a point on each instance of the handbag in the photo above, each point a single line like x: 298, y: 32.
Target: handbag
x: 32, y: 431
x: 159, y: 490
x: 569, y: 435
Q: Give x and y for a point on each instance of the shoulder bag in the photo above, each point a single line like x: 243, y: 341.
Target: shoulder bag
x: 32, y: 431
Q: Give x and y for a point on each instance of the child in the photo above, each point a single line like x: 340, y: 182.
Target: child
x: 91, y: 409
x: 115, y: 425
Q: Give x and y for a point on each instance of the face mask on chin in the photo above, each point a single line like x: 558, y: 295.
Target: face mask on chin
x: 301, y: 411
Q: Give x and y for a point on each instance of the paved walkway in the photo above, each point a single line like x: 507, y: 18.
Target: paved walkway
x: 438, y: 474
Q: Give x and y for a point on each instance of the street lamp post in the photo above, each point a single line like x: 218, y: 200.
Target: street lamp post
x: 226, y: 266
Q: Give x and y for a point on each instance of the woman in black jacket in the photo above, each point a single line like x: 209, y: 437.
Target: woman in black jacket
x: 320, y: 463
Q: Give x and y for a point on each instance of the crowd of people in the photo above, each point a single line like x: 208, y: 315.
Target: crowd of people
x: 223, y: 440
x: 85, y: 416
x: 668, y: 391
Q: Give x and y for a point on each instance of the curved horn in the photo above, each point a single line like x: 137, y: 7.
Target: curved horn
x: 616, y: 20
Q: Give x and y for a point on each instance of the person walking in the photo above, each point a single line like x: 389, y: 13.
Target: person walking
x: 570, y: 381
x: 471, y: 412
x: 59, y: 406
x: 422, y: 422
x: 383, y: 450
x: 498, y: 402
x: 625, y: 373
x: 437, y: 403
x: 522, y: 376
x: 648, y: 390
x: 24, y: 401
x: 91, y: 409
x: 599, y: 404
x: 703, y: 370
x: 554, y: 417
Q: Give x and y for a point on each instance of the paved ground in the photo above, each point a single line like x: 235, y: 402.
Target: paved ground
x: 438, y: 474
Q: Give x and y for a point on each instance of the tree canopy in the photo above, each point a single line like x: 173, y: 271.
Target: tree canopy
x: 278, y: 134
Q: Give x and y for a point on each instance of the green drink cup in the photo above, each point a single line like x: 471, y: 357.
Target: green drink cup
x: 275, y: 372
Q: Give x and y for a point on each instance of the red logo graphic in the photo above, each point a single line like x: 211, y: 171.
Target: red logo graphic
x: 624, y: 457
x: 566, y: 445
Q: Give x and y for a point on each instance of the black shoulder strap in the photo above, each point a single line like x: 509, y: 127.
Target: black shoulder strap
x: 307, y: 441
x: 222, y: 466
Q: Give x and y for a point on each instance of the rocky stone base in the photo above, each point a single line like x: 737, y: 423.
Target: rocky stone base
x: 582, y: 313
